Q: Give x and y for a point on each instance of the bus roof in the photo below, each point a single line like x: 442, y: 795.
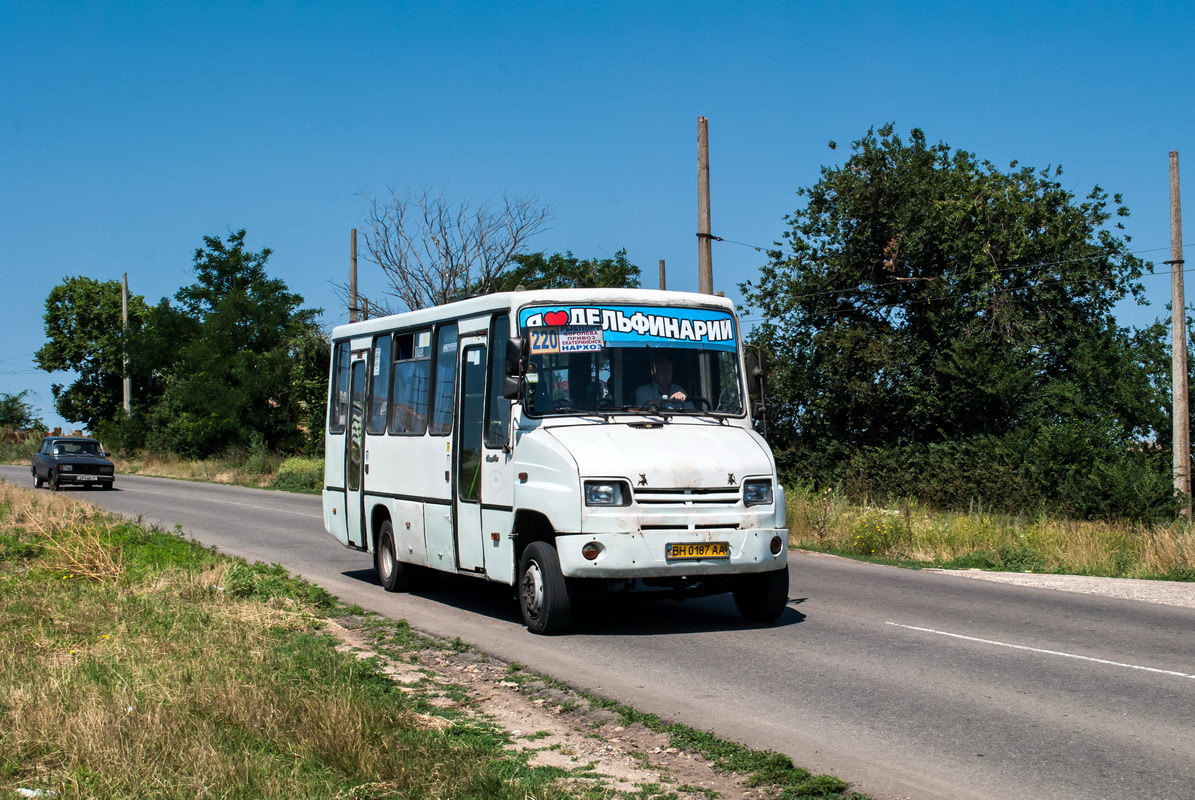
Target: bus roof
x: 482, y: 304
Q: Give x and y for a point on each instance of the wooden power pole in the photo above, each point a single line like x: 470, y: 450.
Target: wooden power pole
x: 705, y: 254
x: 126, y: 382
x: 1178, y: 345
x: 663, y: 276
x: 353, y: 275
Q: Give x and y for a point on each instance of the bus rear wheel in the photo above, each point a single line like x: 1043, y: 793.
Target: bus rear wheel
x: 543, y: 591
x: 395, y: 576
x: 762, y: 597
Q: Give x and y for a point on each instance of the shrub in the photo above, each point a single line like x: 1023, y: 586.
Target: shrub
x: 1081, y: 470
x: 124, y: 436
x: 300, y: 475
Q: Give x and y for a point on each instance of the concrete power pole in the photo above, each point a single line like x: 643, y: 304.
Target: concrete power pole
x: 705, y: 254
x: 663, y: 276
x: 1178, y: 345
x: 353, y: 275
x: 127, y: 382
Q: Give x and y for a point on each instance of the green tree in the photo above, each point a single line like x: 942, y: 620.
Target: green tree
x: 16, y: 414
x: 566, y: 271
x: 924, y: 300
x: 84, y: 335
x: 234, y: 335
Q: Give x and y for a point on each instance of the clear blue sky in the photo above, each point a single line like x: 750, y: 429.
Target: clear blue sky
x: 130, y: 130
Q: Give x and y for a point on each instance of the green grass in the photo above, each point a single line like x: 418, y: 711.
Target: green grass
x: 138, y: 664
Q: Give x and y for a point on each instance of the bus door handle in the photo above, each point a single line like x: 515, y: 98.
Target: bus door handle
x: 445, y: 476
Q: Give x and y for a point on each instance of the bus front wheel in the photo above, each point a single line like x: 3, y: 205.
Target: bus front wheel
x: 543, y: 592
x: 762, y: 597
x: 395, y: 576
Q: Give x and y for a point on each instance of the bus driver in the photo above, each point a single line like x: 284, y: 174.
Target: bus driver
x: 660, y: 390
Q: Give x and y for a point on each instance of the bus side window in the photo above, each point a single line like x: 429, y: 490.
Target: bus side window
x: 444, y: 386
x: 338, y: 416
x: 409, y: 382
x: 497, y: 421
x: 379, y: 385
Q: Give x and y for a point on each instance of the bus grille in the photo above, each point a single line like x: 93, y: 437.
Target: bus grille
x: 722, y: 495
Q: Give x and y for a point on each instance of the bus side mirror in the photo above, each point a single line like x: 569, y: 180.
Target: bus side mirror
x: 516, y: 351
x: 756, y: 372
x: 512, y: 387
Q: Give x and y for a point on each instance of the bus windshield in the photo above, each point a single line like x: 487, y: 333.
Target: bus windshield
x: 631, y: 359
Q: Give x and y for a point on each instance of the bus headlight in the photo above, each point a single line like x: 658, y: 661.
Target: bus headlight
x: 757, y: 493
x: 604, y: 493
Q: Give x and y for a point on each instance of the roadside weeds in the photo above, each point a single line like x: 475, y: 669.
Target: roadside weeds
x: 142, y: 664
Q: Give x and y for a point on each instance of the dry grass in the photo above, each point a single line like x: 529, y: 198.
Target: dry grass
x: 913, y: 532
x: 68, y: 531
x: 261, y: 470
x: 230, y: 470
x: 142, y: 673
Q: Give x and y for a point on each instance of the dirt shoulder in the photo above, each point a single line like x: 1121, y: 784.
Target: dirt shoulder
x: 1170, y: 593
x: 604, y: 754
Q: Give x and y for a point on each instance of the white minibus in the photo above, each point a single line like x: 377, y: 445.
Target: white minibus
x: 557, y: 441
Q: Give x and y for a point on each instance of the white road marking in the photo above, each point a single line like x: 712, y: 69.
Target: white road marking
x: 1040, y: 650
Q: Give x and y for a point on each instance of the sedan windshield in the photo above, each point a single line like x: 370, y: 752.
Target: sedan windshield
x: 77, y: 448
x: 631, y: 360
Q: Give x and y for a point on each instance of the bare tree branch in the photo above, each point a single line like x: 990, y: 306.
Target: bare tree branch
x: 432, y: 251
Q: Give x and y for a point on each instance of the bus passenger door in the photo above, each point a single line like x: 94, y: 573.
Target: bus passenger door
x: 354, y: 455
x: 469, y: 546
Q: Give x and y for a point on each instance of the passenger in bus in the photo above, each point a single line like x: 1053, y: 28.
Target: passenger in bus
x: 660, y: 390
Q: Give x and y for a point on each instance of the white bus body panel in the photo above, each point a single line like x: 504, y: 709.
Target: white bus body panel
x: 410, y: 478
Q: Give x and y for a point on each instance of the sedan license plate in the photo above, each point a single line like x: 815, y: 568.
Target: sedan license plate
x: 85, y: 477
x: 690, y: 550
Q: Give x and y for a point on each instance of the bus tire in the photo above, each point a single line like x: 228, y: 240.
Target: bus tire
x: 762, y: 597
x: 543, y: 591
x: 394, y: 575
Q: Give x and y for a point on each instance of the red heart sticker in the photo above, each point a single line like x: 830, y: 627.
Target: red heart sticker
x: 556, y: 318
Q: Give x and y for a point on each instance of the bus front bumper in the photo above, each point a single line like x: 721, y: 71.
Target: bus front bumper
x: 661, y: 554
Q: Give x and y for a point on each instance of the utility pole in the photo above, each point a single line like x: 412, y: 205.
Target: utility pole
x: 353, y: 275
x: 705, y: 254
x: 663, y: 276
x: 1178, y: 346
x: 127, y: 382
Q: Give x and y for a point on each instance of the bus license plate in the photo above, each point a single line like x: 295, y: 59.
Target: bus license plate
x: 686, y: 550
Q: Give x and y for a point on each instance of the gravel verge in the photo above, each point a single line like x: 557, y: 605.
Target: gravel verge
x: 1170, y: 593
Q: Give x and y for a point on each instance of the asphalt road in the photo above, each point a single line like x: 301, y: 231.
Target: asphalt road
x: 908, y: 684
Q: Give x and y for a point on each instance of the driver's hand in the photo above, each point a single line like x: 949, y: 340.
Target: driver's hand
x: 678, y: 397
